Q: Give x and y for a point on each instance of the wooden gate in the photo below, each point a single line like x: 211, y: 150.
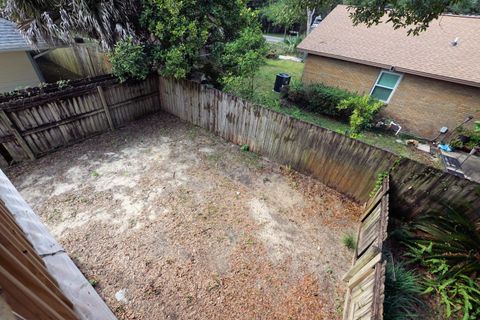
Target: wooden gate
x: 366, y: 278
x: 25, y: 283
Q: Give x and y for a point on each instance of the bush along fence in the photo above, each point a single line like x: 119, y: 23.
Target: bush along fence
x: 33, y: 124
x: 345, y: 164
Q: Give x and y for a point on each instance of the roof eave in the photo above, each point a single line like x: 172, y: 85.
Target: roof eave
x: 398, y: 69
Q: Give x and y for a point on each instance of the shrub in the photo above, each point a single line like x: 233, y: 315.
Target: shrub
x: 402, y: 293
x: 348, y: 241
x: 472, y: 135
x: 320, y: 99
x: 274, y: 50
x: 363, y: 108
x: 129, y: 60
x: 292, y: 43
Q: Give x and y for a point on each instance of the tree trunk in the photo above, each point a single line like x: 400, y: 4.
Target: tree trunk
x: 310, y: 15
x: 285, y: 33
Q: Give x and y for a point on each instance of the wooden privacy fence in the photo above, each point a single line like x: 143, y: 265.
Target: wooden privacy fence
x: 25, y: 283
x: 345, y: 164
x: 84, y: 60
x: 366, y: 278
x: 338, y: 161
x: 31, y: 127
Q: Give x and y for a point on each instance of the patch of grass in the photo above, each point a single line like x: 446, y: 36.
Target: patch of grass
x: 245, y: 147
x: 94, y: 174
x: 349, y: 242
x: 265, y: 77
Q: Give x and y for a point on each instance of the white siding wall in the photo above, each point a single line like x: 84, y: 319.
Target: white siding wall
x: 16, y: 70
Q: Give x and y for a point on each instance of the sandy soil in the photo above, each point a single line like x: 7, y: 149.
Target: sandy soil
x: 187, y: 226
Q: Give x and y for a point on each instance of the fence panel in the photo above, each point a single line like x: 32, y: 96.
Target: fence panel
x: 32, y: 127
x: 27, y: 286
x: 366, y: 277
x: 84, y: 60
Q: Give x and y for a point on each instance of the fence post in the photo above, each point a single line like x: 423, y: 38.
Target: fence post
x: 16, y: 133
x: 105, y: 107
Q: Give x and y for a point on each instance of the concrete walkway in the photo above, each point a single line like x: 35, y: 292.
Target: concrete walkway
x: 471, y: 167
x: 273, y: 39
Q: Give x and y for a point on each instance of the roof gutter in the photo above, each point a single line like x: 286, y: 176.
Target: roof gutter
x: 389, y: 67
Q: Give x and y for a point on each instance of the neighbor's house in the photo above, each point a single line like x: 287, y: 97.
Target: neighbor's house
x: 427, y: 81
x: 18, y: 69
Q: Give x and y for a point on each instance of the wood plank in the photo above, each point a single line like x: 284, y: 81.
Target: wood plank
x: 363, y: 272
x: 6, y: 312
x: 105, y: 107
x: 17, y: 134
x: 370, y: 254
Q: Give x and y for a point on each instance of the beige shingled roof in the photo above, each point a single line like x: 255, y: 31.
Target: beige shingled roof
x: 431, y: 54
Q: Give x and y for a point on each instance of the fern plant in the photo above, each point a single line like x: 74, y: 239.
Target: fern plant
x: 460, y: 294
x: 447, y: 245
x: 450, y: 236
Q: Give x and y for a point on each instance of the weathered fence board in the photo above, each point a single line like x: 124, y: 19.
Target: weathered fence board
x: 366, y: 278
x: 29, y: 289
x: 84, y: 60
x: 40, y: 126
x: 347, y: 165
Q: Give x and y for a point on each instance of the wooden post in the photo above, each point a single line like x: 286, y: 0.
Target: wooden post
x: 16, y: 133
x: 105, y: 107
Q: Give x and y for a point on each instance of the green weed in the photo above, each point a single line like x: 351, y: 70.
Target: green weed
x: 349, y: 242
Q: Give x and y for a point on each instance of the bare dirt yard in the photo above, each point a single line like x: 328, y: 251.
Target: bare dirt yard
x: 172, y: 222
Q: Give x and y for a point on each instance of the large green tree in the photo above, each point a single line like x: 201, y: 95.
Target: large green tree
x: 288, y: 12
x: 413, y: 15
x: 190, y: 35
x: 178, y: 37
x: 284, y: 13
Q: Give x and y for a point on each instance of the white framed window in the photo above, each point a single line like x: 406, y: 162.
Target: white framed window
x: 385, y: 85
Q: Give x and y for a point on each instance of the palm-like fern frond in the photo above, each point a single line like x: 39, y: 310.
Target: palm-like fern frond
x: 60, y: 20
x: 450, y: 236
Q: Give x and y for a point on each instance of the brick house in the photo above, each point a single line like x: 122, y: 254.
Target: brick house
x: 427, y: 81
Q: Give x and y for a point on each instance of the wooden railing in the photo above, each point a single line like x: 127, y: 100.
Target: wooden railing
x: 366, y: 277
x: 25, y: 283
